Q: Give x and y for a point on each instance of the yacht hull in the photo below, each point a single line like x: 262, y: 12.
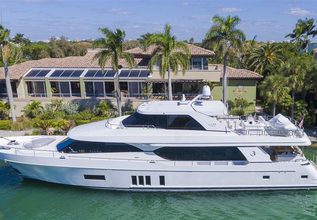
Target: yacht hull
x: 110, y: 175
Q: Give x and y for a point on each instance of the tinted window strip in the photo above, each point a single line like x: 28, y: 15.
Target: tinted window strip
x: 94, y: 177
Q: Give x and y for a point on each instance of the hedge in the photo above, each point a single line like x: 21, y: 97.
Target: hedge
x: 5, y: 124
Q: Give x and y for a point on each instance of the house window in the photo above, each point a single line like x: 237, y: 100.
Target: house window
x: 109, y: 87
x: 304, y: 176
x: 99, y: 89
x: 64, y: 89
x: 94, y: 89
x: 162, y: 180
x: 75, y: 88
x: 266, y: 177
x: 3, y: 89
x: 36, y: 88
x: 199, y: 63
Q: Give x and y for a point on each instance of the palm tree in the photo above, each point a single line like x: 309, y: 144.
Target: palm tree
x: 112, y: 50
x: 5, y: 53
x: 274, y: 89
x: 224, y: 36
x: 295, y: 74
x: 265, y: 58
x: 171, y: 54
x: 302, y: 32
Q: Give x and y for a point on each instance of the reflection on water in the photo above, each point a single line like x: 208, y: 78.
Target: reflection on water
x: 25, y: 199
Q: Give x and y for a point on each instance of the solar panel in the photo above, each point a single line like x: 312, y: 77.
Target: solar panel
x: 90, y: 73
x: 124, y: 73
x: 77, y: 73
x: 100, y: 73
x: 67, y: 73
x: 33, y: 73
x: 57, y: 73
x: 110, y: 73
x: 134, y: 73
x: 42, y: 73
x: 144, y: 73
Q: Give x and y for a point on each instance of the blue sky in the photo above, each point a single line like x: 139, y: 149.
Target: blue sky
x: 79, y: 19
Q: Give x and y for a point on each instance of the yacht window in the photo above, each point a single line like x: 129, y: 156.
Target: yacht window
x: 134, y: 182
x: 94, y: 177
x: 74, y: 146
x: 162, y: 121
x: 141, y: 180
x: 162, y: 180
x: 148, y: 180
x: 182, y: 122
x: 201, y: 153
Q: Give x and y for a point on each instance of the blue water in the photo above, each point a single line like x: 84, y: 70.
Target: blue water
x: 25, y: 199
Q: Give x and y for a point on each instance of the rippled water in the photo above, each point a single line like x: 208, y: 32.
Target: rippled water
x: 22, y: 199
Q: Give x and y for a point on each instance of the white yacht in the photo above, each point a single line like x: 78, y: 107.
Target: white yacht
x: 170, y: 146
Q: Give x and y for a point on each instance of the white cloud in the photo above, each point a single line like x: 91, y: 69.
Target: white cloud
x: 119, y: 11
x: 299, y: 12
x: 230, y: 10
x: 185, y: 3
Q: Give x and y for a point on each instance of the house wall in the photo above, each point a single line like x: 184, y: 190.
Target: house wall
x: 238, y: 88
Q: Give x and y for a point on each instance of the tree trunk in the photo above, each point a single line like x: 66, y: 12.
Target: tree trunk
x: 8, y: 85
x: 293, y: 104
x: 118, y: 93
x: 274, y: 108
x: 170, y: 91
x: 224, y: 80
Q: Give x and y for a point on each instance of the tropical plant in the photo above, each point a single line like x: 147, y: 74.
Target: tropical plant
x: 33, y: 109
x: 170, y: 54
x: 265, y: 58
x: 225, y: 37
x: 295, y: 74
x: 20, y: 39
x: 112, y: 50
x: 103, y: 109
x: 238, y: 106
x: 275, y: 91
x: 5, y: 49
x: 302, y: 32
x: 69, y: 108
x: 4, y: 110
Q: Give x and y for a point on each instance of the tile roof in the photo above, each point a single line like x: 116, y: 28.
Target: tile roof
x: 233, y: 73
x: 18, y: 70
x: 193, y: 49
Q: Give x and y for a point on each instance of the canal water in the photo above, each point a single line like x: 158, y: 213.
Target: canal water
x: 25, y: 199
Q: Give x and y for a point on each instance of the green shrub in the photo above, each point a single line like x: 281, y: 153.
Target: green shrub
x: 4, y: 110
x: 70, y: 108
x: 104, y: 109
x: 5, y: 125
x: 81, y: 122
x: 21, y: 124
x: 33, y: 109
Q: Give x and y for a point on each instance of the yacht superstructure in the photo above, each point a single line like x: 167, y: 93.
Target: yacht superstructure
x: 170, y: 146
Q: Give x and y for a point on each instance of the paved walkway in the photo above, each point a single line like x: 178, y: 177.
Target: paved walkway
x: 14, y: 133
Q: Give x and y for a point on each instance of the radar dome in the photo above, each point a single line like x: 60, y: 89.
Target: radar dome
x: 206, y: 91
